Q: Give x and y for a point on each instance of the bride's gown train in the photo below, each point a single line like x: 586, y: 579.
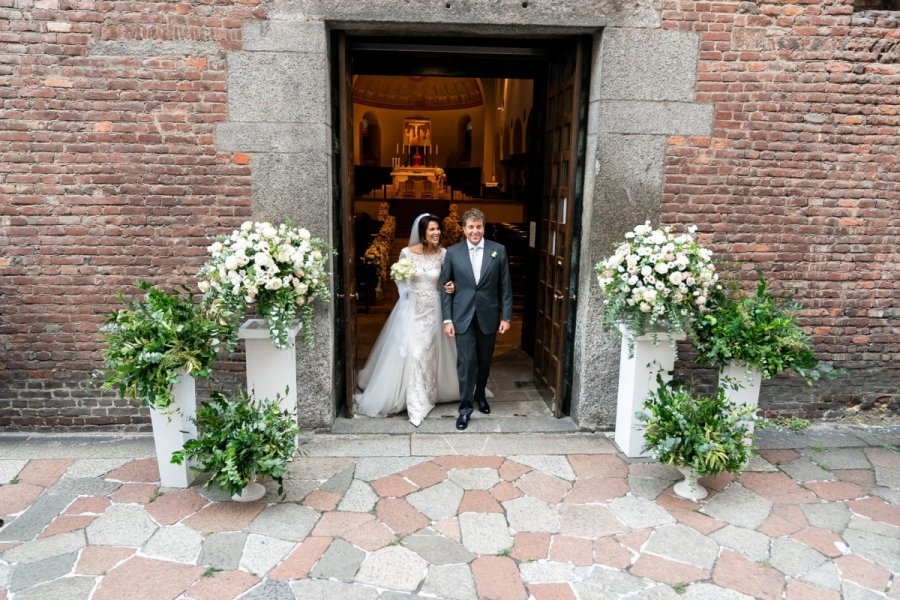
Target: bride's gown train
x: 413, y: 364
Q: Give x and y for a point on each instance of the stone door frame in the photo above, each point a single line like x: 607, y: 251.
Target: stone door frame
x: 642, y: 90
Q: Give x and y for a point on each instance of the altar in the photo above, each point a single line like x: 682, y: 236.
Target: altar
x: 433, y: 174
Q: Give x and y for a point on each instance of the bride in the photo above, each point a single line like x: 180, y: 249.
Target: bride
x: 413, y: 365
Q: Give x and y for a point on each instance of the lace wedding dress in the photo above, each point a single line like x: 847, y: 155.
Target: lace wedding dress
x: 413, y: 364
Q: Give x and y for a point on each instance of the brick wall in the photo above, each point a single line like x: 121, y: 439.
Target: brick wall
x: 801, y: 177
x: 108, y: 175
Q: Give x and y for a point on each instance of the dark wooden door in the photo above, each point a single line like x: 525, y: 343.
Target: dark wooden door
x: 348, y: 293
x: 556, y: 295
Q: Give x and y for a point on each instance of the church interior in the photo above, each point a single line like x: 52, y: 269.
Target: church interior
x: 443, y: 145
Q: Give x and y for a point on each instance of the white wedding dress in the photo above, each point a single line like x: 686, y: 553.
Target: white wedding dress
x: 413, y: 364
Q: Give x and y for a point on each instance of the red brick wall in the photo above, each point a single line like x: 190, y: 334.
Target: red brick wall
x: 108, y: 175
x: 801, y: 177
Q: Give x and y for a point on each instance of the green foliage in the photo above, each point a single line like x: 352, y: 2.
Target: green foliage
x: 757, y: 331
x: 149, y: 340
x: 794, y: 424
x: 240, y: 439
x: 706, y: 433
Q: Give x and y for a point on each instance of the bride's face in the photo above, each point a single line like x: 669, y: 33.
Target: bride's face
x: 433, y: 233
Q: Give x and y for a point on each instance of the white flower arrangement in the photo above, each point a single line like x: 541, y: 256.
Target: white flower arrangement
x: 403, y: 270
x: 279, y: 269
x: 656, y: 279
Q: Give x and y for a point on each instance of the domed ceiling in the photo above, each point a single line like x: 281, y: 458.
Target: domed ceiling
x: 417, y: 93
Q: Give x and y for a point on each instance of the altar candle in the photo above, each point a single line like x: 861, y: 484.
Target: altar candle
x: 436, y: 149
x: 397, y: 149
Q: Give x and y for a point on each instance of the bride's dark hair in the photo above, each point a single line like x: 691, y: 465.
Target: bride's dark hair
x: 423, y: 227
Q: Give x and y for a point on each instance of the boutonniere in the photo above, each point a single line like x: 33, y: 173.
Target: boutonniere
x: 494, y: 254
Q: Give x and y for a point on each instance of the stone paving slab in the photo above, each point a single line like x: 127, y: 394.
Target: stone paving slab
x: 357, y: 445
x: 31, y: 447
x: 542, y: 516
x: 504, y: 445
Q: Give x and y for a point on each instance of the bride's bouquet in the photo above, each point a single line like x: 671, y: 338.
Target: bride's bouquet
x: 403, y: 270
x: 280, y: 270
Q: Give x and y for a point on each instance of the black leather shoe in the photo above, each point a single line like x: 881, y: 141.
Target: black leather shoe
x: 484, y: 407
x: 462, y: 422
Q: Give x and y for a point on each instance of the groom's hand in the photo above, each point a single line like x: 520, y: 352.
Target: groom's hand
x: 504, y: 326
x: 449, y: 331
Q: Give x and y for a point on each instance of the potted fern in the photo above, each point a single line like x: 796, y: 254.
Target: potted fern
x: 156, y: 346
x: 240, y: 439
x: 753, y: 337
x: 699, y: 435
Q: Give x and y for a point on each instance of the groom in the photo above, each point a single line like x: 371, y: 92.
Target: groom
x: 480, y: 308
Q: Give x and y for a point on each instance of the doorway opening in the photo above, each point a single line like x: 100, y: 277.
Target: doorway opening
x: 438, y: 129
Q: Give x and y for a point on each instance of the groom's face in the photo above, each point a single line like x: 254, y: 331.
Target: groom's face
x: 474, y: 230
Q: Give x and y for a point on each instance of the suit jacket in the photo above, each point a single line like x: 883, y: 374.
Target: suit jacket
x: 490, y: 299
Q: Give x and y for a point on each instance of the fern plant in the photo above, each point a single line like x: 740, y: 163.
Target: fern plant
x: 240, y: 439
x: 706, y: 433
x: 149, y: 340
x: 758, y: 331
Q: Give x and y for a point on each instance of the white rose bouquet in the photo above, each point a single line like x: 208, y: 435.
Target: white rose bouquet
x: 656, y: 279
x: 279, y: 269
x: 403, y: 270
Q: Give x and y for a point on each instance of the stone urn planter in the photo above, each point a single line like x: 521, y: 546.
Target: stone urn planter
x: 653, y: 353
x: 749, y: 380
x: 689, y: 487
x: 172, y: 427
x: 253, y: 492
x: 270, y: 370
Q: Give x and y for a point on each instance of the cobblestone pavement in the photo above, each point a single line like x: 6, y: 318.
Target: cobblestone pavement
x: 503, y: 516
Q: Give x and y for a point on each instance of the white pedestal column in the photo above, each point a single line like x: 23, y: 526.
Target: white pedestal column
x: 172, y: 428
x: 269, y: 369
x: 750, y: 381
x: 637, y: 378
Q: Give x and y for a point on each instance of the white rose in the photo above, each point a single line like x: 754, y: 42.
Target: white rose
x: 644, y: 307
x: 648, y: 295
x: 675, y: 278
x: 662, y: 268
x: 274, y: 284
x: 646, y: 271
x: 231, y: 263
x: 215, y: 248
x: 304, y: 233
x: 246, y: 226
x: 204, y: 286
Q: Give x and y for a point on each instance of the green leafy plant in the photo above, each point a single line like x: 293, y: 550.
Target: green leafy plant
x: 240, y: 439
x: 148, y: 340
x: 793, y: 424
x: 706, y: 433
x: 759, y: 332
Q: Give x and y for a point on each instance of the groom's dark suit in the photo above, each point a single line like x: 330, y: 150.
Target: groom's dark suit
x: 475, y: 310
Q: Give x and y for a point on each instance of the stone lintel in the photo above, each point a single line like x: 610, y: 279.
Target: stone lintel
x: 564, y: 13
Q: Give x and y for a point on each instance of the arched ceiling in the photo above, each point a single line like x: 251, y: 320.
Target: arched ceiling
x: 417, y: 93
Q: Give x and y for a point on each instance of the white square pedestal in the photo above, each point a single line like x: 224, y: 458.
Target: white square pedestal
x: 269, y: 369
x: 637, y: 378
x: 171, y: 429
